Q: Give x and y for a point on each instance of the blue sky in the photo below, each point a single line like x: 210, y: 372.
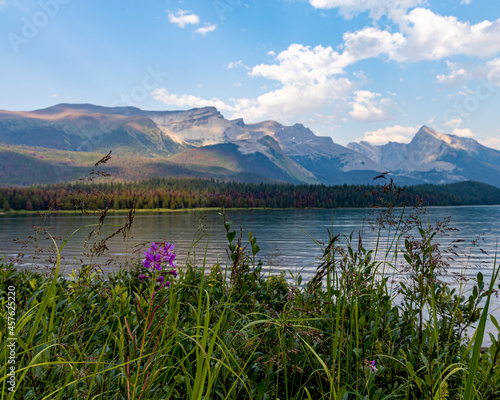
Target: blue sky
x: 371, y: 70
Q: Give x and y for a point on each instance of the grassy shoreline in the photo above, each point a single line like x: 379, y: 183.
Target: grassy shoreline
x: 201, y: 209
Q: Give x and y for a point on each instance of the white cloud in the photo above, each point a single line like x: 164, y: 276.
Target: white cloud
x: 309, y: 82
x: 493, y: 71
x: 465, y: 2
x: 302, y: 64
x: 466, y: 133
x: 371, y: 42
x: 454, y: 123
x: 423, y: 35
x: 237, y: 64
x: 183, y: 17
x: 271, y: 53
x: 295, y: 99
x: 308, y: 65
x: 396, y: 133
x: 461, y: 73
x: 431, y: 36
x: 187, y: 100
x: 366, y: 107
x: 205, y: 29
x: 490, y: 141
x: 377, y: 8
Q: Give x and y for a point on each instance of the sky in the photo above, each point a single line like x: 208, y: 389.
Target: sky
x: 373, y: 70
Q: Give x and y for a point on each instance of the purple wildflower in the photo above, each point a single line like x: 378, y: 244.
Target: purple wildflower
x: 152, y: 260
x: 173, y: 272
x: 158, y: 256
x: 153, y: 248
x: 372, y: 366
x: 167, y: 254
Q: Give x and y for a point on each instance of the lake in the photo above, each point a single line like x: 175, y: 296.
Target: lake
x: 284, y: 236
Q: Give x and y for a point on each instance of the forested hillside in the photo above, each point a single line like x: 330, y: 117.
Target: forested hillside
x: 198, y: 193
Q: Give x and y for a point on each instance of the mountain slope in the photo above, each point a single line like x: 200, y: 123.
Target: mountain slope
x: 329, y: 162
x: 435, y: 157
x: 73, y: 129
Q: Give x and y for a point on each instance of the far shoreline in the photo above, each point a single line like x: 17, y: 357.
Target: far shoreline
x: 169, y: 210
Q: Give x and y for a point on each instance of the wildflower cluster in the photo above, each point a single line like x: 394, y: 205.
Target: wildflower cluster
x: 158, y: 257
x: 214, y: 278
x: 277, y: 283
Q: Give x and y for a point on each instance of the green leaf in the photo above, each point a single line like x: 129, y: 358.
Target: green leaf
x: 230, y: 236
x: 419, y: 382
x: 495, y: 322
x: 409, y: 367
x: 407, y: 258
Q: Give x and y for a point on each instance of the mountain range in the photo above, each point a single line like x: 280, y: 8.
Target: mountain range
x: 434, y: 157
x: 61, y: 142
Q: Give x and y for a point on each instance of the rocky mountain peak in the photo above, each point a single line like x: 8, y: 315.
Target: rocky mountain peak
x: 447, y: 140
x: 424, y: 129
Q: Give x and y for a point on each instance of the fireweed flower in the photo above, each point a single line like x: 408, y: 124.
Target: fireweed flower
x: 158, y: 256
x: 371, y: 365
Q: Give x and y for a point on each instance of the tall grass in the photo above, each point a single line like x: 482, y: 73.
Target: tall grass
x: 233, y: 333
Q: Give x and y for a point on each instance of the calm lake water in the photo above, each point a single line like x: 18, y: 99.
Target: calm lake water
x: 286, y: 237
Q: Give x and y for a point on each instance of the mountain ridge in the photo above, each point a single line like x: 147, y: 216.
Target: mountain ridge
x: 201, y: 142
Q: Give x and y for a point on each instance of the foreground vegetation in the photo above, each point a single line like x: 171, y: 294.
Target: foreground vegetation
x: 175, y: 194
x: 352, y: 332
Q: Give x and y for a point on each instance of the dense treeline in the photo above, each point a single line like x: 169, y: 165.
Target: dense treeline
x: 198, y: 193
